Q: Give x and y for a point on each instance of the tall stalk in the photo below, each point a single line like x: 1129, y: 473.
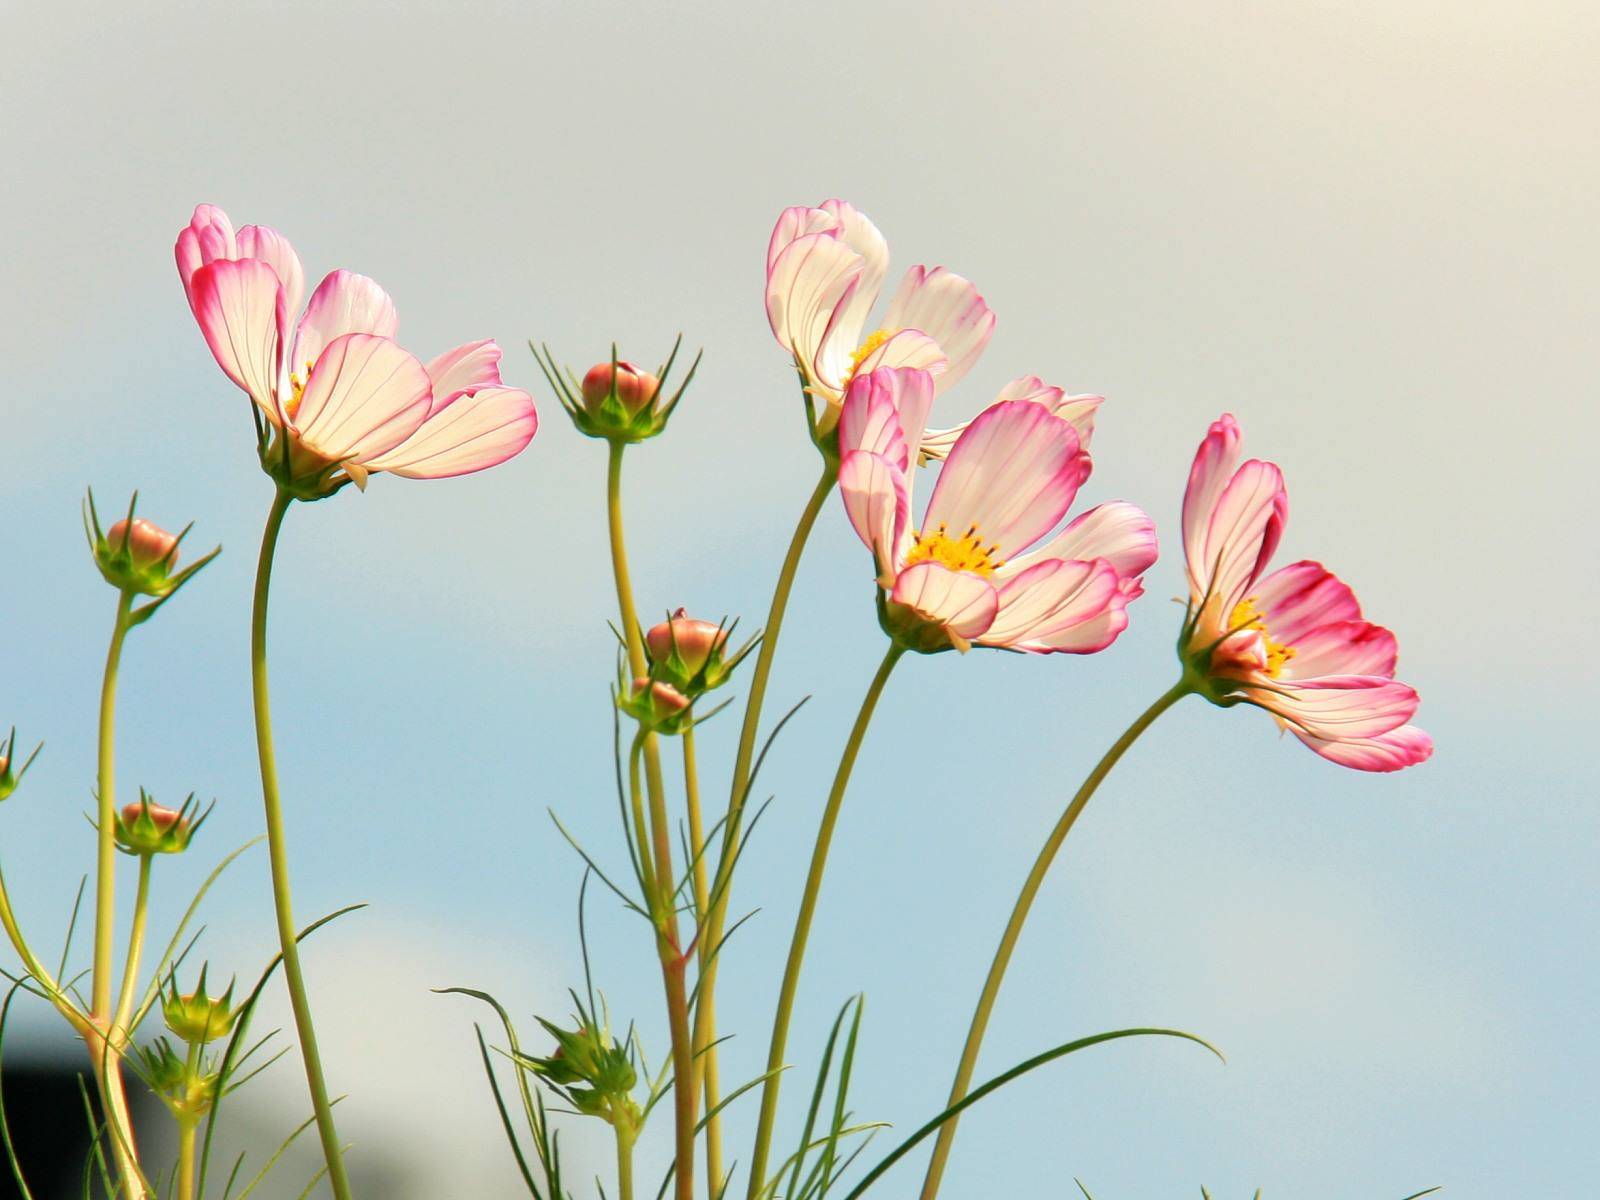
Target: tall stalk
x: 704, y: 1062
x: 278, y: 854
x: 802, y: 924
x: 1019, y: 917
x: 674, y: 964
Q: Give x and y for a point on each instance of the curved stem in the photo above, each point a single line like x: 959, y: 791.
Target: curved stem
x: 277, y: 852
x: 130, y: 972
x: 662, y: 903
x: 105, y: 905
x: 1019, y: 916
x: 802, y: 924
x: 705, y: 1020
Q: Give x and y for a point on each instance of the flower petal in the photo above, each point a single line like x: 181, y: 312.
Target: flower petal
x: 960, y: 601
x: 1061, y: 606
x: 1338, y: 707
x: 876, y: 501
x: 809, y: 288
x: 910, y: 349
x: 1210, y: 472
x: 476, y: 431
x: 343, y: 303
x: 240, y: 307
x: 208, y: 237
x: 1078, y: 411
x: 271, y: 247
x: 1013, y: 475
x: 1296, y: 599
x: 948, y: 309
x: 1244, y: 530
x: 1117, y: 531
x: 465, y: 369
x: 862, y: 236
x: 884, y: 412
x: 1342, y: 648
x: 363, y: 398
x: 1392, y: 751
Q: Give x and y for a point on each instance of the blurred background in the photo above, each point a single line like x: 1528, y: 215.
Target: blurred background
x: 1367, y: 229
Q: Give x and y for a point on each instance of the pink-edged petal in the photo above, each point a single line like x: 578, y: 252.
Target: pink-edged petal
x: 885, y: 411
x: 876, y: 501
x: 269, y: 246
x: 207, y: 238
x: 1119, y: 532
x: 1392, y: 751
x: 1013, y: 475
x: 862, y: 236
x: 910, y: 349
x: 464, y: 369
x: 948, y: 309
x: 363, y: 398
x: 1296, y: 599
x: 343, y: 303
x: 477, y: 431
x: 1338, y: 707
x: 1342, y: 648
x: 795, y: 223
x: 808, y: 289
x: 239, y: 305
x: 1244, y: 530
x: 963, y: 603
x: 1059, y: 606
x: 1077, y: 411
x: 1210, y: 472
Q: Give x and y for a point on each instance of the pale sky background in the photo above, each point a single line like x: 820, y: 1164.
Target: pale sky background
x: 1367, y: 229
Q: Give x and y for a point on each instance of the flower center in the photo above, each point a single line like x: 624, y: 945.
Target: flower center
x: 964, y: 553
x: 874, y: 342
x: 1247, y: 616
x: 299, y: 390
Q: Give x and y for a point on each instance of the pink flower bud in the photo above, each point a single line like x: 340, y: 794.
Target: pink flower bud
x: 147, y: 544
x: 163, y: 818
x: 5, y: 763
x: 695, y: 641
x: 666, y: 698
x: 635, y: 388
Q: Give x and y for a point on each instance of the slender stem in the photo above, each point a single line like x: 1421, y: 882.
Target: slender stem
x: 802, y: 924
x: 624, y: 1165
x: 662, y: 903
x: 105, y: 908
x: 705, y: 1020
x: 141, y: 914
x: 186, y: 1132
x: 1019, y: 916
x: 278, y: 853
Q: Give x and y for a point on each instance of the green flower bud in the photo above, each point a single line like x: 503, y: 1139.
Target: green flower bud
x: 10, y: 774
x: 145, y: 827
x: 138, y: 557
x: 197, y: 1018
x: 616, y: 400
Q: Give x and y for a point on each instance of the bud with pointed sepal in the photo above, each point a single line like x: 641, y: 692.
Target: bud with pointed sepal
x: 11, y: 774
x: 144, y: 827
x: 691, y: 654
x: 616, y: 400
x: 138, y: 557
x: 656, y: 705
x: 199, y: 1018
x: 592, y: 1071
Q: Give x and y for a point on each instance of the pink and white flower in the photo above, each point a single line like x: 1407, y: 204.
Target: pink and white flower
x: 965, y: 575
x: 1292, y: 642
x: 825, y: 269
x: 342, y: 393
x: 1078, y: 411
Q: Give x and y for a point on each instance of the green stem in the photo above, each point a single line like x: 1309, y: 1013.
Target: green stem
x: 802, y: 924
x: 624, y: 1165
x: 662, y: 904
x: 105, y: 907
x: 277, y: 852
x: 130, y: 972
x: 705, y: 1063
x: 1019, y: 916
x: 186, y: 1132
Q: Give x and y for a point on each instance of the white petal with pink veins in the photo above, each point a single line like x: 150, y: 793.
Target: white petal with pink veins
x: 1296, y: 599
x: 1244, y: 530
x: 884, y: 412
x: 1117, y: 531
x: 464, y: 369
x: 1392, y: 751
x: 473, y: 433
x: 862, y: 236
x: 1338, y: 706
x: 963, y: 603
x: 807, y: 289
x: 207, y: 238
x: 1208, y: 475
x: 1013, y: 475
x: 910, y: 349
x: 948, y: 309
x: 1060, y: 606
x: 795, y: 223
x: 1341, y: 648
x: 239, y: 305
x: 343, y: 303
x: 364, y: 397
x: 875, y: 500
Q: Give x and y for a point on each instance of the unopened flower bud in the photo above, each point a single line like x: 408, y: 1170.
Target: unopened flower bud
x: 9, y: 778
x: 635, y: 389
x: 198, y: 1018
x: 666, y: 698
x: 145, y: 827
x: 146, y: 543
x: 689, y: 653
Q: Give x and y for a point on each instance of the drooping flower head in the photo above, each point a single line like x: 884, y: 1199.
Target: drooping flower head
x: 964, y: 575
x: 825, y: 268
x: 341, y: 397
x: 1292, y: 642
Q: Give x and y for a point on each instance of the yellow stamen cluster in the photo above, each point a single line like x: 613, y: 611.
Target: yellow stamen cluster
x: 1247, y: 616
x: 964, y: 553
x: 299, y: 386
x: 867, y: 348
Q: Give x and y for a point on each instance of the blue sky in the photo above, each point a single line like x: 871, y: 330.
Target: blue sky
x: 1361, y: 230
